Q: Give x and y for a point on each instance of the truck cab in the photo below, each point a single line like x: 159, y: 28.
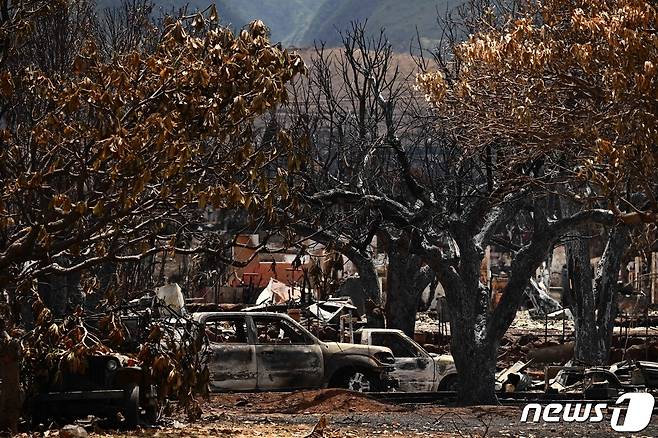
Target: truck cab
x: 415, y: 369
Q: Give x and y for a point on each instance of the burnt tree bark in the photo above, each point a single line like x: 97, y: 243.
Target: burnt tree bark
x: 10, y: 400
x: 594, y: 295
x: 476, y: 328
x: 370, y: 284
x: 473, y: 351
x: 406, y: 280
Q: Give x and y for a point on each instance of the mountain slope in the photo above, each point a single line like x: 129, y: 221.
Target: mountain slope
x: 288, y: 19
x: 399, y: 19
x: 301, y: 22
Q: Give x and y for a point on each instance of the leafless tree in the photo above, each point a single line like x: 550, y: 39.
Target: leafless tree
x: 126, y: 26
x: 339, y: 110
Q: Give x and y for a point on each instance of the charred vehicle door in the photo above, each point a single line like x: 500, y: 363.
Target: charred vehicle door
x: 232, y: 363
x: 414, y: 368
x: 287, y: 356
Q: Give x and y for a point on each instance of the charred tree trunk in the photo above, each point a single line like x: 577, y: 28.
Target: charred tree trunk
x: 10, y: 400
x: 371, y: 288
x: 476, y: 329
x: 474, y: 352
x: 401, y: 302
x: 406, y: 279
x: 581, y: 297
x: 473, y: 349
x: 477, y: 372
x: 594, y: 299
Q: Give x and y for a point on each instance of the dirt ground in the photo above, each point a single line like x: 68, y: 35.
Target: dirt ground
x: 350, y: 414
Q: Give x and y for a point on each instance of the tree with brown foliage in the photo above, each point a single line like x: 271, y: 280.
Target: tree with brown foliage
x: 114, y: 157
x: 560, y: 95
x: 574, y: 78
x: 143, y: 135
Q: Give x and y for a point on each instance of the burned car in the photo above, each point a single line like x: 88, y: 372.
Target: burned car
x: 103, y: 386
x: 415, y: 368
x: 263, y: 351
x: 114, y: 369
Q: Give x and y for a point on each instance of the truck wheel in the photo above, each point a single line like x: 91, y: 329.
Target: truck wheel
x: 39, y: 416
x: 360, y: 382
x: 450, y: 383
x: 151, y: 405
x: 131, y: 406
x: 152, y: 414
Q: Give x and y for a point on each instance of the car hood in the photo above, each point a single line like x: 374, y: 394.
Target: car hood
x: 346, y: 348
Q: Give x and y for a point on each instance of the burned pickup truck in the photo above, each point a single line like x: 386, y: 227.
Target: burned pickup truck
x: 271, y: 351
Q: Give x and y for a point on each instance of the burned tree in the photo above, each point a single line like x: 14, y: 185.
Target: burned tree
x: 115, y: 157
x: 466, y: 190
x: 91, y: 202
x: 338, y: 109
x: 592, y: 113
x: 593, y: 294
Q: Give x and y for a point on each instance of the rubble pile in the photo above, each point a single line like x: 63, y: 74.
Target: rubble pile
x: 634, y: 348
